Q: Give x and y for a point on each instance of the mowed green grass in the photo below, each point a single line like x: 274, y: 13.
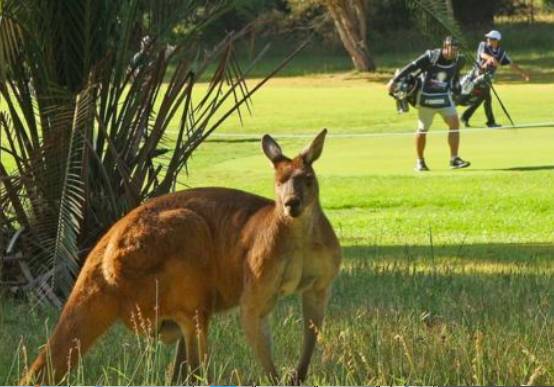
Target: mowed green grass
x: 446, y: 278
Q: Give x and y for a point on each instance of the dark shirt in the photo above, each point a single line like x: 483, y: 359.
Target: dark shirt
x: 498, y: 53
x: 438, y: 76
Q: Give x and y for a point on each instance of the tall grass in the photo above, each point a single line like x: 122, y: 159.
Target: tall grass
x: 423, y: 316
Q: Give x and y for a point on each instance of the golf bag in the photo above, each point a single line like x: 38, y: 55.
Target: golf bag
x: 405, y: 92
x: 472, y: 86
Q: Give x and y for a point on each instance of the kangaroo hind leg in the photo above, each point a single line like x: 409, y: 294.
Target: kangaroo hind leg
x: 85, y: 317
x: 192, y: 351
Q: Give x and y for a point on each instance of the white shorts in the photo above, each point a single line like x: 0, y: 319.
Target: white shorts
x: 425, y: 116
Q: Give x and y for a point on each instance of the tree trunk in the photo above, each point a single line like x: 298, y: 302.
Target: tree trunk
x: 350, y: 18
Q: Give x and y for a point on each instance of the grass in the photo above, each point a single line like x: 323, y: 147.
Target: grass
x: 447, y: 276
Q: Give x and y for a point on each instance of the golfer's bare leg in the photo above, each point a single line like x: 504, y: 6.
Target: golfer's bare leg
x: 454, y: 134
x: 420, y: 140
x: 425, y: 119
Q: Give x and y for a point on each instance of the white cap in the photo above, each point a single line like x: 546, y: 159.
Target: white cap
x: 494, y: 34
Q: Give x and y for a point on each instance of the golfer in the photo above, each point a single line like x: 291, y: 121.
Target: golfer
x: 439, y: 71
x: 490, y: 55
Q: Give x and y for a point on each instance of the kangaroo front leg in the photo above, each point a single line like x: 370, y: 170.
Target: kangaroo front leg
x: 254, y: 322
x: 314, y: 302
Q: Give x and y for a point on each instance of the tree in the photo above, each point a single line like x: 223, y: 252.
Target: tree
x: 84, y: 133
x: 475, y: 12
x: 350, y: 18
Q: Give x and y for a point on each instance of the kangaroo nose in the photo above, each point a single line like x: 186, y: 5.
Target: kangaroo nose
x: 293, y: 206
x: 293, y: 202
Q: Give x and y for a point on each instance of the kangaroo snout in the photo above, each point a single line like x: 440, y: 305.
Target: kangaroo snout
x: 293, y: 207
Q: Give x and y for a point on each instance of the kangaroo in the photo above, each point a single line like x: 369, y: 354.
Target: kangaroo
x: 184, y: 256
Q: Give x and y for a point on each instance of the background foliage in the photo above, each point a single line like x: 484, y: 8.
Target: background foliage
x: 88, y: 91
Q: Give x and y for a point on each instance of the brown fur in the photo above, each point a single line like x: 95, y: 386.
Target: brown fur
x: 182, y: 257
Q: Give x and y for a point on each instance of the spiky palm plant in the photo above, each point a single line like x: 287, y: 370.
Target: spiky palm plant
x: 84, y: 134
x: 437, y: 18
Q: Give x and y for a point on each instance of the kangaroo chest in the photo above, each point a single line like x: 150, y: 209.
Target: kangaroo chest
x: 300, y: 271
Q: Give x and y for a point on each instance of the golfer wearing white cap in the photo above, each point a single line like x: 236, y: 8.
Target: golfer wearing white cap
x: 490, y: 54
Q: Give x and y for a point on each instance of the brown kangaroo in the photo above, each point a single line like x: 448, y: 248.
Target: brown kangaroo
x: 182, y: 257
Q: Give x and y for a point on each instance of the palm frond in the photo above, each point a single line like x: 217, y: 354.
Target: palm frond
x: 10, y: 38
x: 85, y: 132
x: 65, y: 257
x: 440, y: 12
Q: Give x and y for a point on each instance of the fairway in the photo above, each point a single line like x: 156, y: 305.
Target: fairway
x: 511, y: 169
x: 447, y: 275
x: 346, y: 103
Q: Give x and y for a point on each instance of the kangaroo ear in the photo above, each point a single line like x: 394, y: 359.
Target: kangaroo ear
x: 312, y: 152
x: 271, y: 149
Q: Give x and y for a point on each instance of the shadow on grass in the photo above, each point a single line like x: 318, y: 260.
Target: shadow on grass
x: 530, y: 168
x: 233, y: 140
x: 472, y: 285
x: 461, y: 254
